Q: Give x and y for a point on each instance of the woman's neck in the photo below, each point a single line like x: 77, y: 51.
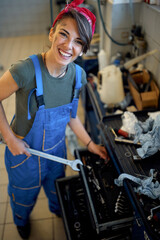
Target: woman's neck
x: 54, y: 71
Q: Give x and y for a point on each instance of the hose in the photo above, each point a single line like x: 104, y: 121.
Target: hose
x: 104, y: 27
x: 51, y: 11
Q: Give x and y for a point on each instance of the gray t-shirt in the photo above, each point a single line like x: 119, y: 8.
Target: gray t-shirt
x: 56, y: 91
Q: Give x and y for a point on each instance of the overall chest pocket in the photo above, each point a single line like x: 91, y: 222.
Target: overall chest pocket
x: 54, y: 129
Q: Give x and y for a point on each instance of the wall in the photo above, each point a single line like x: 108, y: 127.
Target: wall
x: 28, y: 17
x: 150, y: 20
x: 119, y: 21
x: 24, y: 17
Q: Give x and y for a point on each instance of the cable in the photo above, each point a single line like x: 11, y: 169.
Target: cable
x: 132, y: 15
x: 104, y: 27
x: 51, y: 11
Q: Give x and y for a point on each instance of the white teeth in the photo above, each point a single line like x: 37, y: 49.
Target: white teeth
x: 64, y: 54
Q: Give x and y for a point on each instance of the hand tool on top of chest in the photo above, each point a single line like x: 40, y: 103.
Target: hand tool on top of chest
x: 123, y: 140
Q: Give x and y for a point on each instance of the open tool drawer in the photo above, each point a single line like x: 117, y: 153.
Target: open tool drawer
x: 123, y: 155
x: 93, y: 207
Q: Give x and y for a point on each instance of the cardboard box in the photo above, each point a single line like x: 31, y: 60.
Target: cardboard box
x: 144, y: 100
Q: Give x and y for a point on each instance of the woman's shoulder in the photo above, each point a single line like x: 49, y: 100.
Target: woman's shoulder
x: 73, y: 68
x: 23, y: 71
x: 26, y: 62
x: 22, y: 64
x: 83, y: 73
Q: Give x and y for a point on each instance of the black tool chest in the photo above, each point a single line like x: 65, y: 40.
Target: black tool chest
x: 93, y: 207
x: 125, y: 159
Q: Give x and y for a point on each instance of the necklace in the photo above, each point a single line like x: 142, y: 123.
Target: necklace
x: 61, y: 74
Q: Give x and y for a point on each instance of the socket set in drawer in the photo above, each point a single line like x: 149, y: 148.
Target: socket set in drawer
x: 93, y: 207
x: 108, y: 204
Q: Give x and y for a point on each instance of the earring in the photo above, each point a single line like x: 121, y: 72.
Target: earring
x: 81, y: 54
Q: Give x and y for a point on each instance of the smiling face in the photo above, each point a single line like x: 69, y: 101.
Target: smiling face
x: 66, y: 42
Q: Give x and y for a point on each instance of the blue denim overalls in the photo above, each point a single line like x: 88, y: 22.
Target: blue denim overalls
x: 28, y: 174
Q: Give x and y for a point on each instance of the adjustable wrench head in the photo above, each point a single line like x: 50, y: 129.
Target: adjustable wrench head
x: 75, y: 164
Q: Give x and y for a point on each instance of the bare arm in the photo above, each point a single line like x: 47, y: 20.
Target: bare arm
x: 7, y: 87
x: 78, y: 128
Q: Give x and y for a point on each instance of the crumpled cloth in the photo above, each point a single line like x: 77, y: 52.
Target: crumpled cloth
x: 147, y: 186
x: 128, y: 122
x: 153, y: 114
x: 148, y: 134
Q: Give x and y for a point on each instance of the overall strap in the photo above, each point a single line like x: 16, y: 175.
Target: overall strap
x: 77, y: 88
x: 39, y: 84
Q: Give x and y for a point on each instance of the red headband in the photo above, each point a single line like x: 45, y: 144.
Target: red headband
x: 84, y: 11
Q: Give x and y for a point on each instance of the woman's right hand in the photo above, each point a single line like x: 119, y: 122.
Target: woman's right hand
x: 17, y: 146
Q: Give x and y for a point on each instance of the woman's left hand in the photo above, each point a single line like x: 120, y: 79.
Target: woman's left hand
x: 99, y: 150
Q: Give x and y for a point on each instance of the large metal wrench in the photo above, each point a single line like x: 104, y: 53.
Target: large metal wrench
x: 72, y: 163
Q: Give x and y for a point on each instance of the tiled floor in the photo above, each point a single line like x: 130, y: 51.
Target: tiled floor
x: 45, y: 225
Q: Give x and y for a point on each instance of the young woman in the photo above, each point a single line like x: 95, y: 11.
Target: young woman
x: 47, y: 87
